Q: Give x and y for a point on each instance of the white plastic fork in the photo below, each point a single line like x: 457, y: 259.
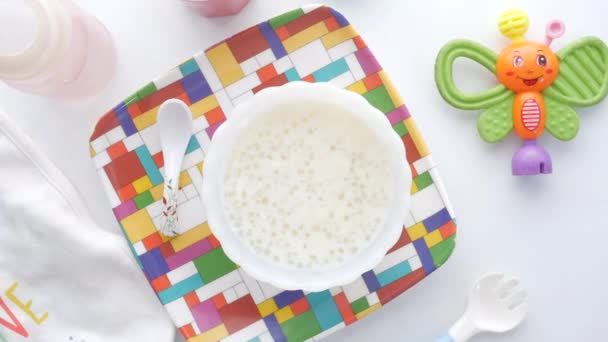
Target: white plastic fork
x: 496, y: 304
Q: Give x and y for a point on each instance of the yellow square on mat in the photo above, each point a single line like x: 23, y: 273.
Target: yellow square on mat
x: 416, y: 231
x: 203, y: 106
x: 157, y: 191
x: 267, y: 307
x: 284, y: 314
x: 143, y: 184
x: 416, y: 137
x: 433, y: 238
x: 368, y: 311
x: 304, y: 37
x: 414, y: 188
x: 212, y: 335
x: 190, y: 237
x: 138, y: 226
x: 225, y: 64
x: 147, y: 119
x: 358, y: 87
x: 184, y: 179
x: 339, y: 36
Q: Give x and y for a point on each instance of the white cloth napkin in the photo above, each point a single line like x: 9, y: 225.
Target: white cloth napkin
x: 62, y: 278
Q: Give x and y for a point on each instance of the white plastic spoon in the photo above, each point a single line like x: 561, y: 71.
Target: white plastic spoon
x: 175, y: 124
x: 495, y: 304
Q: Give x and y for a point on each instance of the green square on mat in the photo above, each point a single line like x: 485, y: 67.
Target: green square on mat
x: 146, y: 90
x: 400, y: 128
x: 423, y: 180
x: 380, y: 99
x: 213, y: 265
x: 143, y: 200
x: 132, y: 99
x: 301, y: 327
x: 285, y: 18
x: 442, y: 251
x: 359, y: 305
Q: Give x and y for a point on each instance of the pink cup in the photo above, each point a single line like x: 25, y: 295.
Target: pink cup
x: 71, y: 56
x: 216, y: 8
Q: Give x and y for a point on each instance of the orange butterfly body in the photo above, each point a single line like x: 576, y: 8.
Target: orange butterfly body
x: 527, y: 68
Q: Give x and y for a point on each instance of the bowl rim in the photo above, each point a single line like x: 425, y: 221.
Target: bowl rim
x: 257, y: 266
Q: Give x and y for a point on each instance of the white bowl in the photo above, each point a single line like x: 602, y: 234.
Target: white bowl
x: 299, y: 94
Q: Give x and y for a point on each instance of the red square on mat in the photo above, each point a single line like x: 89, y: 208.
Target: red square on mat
x: 173, y: 90
x: 134, y: 110
x: 299, y: 306
x: 266, y: 73
x: 166, y: 249
x: 161, y: 283
x: 404, y: 239
x: 399, y: 286
x: 344, y: 307
x: 410, y: 148
x: 215, y: 115
x: 126, y: 193
x: 192, y: 299
x: 219, y: 300
x: 332, y: 24
x: 187, y: 331
x: 359, y: 43
x: 152, y: 241
x: 448, y: 230
x: 105, y: 124
x: 158, y: 159
x: 282, y: 33
x: 213, y: 241
x: 372, y: 81
x: 130, y: 170
x: 117, y: 150
x: 307, y: 20
x: 184, y: 97
x: 239, y: 314
x: 275, y: 82
x: 247, y: 44
x: 310, y: 78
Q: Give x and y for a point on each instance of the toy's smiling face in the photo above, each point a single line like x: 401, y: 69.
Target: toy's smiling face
x: 527, y: 66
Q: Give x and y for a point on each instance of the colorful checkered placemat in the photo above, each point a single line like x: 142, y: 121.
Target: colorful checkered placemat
x: 208, y: 297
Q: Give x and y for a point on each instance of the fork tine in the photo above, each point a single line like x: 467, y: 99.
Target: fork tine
x: 504, y: 289
x: 490, y: 280
x: 517, y: 299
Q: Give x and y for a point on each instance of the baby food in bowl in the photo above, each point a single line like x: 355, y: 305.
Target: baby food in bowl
x: 306, y: 186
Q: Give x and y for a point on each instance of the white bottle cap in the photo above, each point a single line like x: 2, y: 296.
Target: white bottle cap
x: 50, y: 43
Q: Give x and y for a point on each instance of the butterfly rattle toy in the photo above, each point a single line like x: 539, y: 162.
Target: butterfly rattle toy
x: 537, y: 89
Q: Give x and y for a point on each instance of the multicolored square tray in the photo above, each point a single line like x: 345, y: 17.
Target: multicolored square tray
x: 208, y: 297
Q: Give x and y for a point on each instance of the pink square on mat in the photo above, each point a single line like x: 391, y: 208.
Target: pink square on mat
x: 206, y: 315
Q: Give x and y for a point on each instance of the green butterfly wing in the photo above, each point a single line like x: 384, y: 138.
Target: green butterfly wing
x: 444, y: 75
x: 562, y: 121
x: 583, y: 75
x: 496, y: 122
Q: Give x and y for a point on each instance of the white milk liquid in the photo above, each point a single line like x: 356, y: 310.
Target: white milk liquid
x: 307, y: 188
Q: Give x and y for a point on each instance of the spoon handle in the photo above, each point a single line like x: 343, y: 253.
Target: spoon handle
x: 461, y: 331
x: 169, y: 227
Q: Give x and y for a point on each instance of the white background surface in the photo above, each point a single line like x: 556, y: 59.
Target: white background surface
x: 548, y: 230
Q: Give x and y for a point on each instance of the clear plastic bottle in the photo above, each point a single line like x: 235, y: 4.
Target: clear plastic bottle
x: 216, y: 8
x: 71, y: 55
